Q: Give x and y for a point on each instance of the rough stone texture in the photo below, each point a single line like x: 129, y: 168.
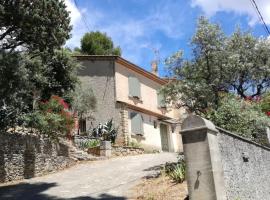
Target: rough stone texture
x: 124, y: 124
x: 246, y: 167
x: 125, y: 151
x: 79, y: 140
x: 100, y: 75
x: 27, y: 156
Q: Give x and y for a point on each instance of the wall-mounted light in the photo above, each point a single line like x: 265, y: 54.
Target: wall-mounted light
x: 155, y: 124
x: 173, y: 127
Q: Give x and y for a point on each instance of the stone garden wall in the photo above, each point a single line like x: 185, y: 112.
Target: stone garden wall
x: 246, y: 167
x: 27, y: 156
x: 126, y: 151
x: 222, y: 165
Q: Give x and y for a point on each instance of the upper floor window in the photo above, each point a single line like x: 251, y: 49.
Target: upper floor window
x: 134, y: 87
x: 136, y: 123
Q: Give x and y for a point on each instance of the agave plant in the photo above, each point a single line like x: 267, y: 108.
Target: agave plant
x: 105, y: 131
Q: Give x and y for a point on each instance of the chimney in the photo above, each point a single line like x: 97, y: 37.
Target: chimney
x: 154, y: 67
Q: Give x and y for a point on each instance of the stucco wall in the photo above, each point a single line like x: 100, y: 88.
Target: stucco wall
x: 152, y: 136
x: 27, y: 156
x: 177, y: 140
x: 99, y: 75
x: 246, y: 167
x: 149, y: 90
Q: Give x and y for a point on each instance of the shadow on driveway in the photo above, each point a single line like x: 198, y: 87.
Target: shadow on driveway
x: 27, y: 191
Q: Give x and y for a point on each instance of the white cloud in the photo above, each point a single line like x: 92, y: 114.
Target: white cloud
x: 241, y: 7
x: 75, y: 14
x: 134, y: 34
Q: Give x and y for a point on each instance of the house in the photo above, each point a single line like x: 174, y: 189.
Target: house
x: 129, y: 95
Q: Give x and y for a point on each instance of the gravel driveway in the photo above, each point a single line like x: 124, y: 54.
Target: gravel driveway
x: 107, y: 179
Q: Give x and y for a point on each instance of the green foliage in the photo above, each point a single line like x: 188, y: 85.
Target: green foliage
x: 106, y: 131
x: 84, y: 101
x: 35, y: 25
x: 265, y: 103
x: 60, y: 71
x: 51, y: 119
x: 134, y: 144
x: 15, y: 84
x: 32, y: 66
x: 97, y: 43
x: 239, y: 64
x: 176, y: 171
x: 90, y: 144
x: 242, y: 117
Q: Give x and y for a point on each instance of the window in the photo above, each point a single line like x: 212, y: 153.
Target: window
x: 136, y: 123
x: 82, y: 125
x: 161, y: 100
x: 134, y: 87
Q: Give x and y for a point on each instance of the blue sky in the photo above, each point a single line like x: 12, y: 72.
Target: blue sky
x: 140, y: 27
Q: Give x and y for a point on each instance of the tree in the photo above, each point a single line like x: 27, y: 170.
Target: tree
x: 32, y: 65
x: 97, y: 43
x: 84, y: 101
x: 248, y: 64
x: 243, y: 117
x: 34, y: 25
x: 198, y: 81
x: 238, y: 64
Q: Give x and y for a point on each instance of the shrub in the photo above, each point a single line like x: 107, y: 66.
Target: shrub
x: 176, y: 171
x: 105, y: 131
x: 90, y: 144
x: 265, y: 104
x: 243, y: 117
x: 51, y: 118
x: 134, y: 144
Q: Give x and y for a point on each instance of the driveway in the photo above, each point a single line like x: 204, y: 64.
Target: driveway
x: 107, y: 179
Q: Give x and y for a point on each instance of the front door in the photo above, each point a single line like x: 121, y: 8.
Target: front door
x: 164, y: 137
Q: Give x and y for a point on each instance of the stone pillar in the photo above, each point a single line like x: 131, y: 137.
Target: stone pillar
x: 105, y: 148
x: 124, y: 126
x: 268, y: 134
x: 204, y: 169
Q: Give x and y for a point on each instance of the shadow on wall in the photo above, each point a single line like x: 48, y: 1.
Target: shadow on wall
x: 29, y: 162
x: 2, y: 167
x: 27, y: 191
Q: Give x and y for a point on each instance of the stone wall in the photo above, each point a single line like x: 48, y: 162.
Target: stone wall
x: 222, y: 165
x: 246, y: 167
x: 27, y: 156
x: 126, y: 151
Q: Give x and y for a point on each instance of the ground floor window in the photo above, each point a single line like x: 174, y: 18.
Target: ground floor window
x: 136, y: 123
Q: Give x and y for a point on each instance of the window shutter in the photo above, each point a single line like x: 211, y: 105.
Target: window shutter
x: 161, y: 101
x: 136, y: 123
x: 134, y: 87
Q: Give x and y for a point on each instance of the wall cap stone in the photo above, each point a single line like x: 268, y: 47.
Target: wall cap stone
x: 223, y: 131
x: 194, y: 123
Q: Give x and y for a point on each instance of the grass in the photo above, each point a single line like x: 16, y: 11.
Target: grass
x: 159, y: 188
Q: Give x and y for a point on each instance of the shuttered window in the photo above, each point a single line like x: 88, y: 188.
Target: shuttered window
x: 161, y: 100
x: 136, y: 123
x: 134, y: 87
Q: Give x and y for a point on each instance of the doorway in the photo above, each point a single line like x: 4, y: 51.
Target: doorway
x: 164, y: 137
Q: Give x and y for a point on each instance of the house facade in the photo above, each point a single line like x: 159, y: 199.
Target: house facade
x: 129, y: 95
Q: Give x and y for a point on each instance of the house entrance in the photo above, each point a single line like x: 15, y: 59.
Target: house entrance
x: 164, y: 137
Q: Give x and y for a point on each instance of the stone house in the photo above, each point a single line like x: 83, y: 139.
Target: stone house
x: 129, y: 95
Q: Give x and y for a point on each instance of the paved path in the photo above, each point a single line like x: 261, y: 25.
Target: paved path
x: 108, y: 179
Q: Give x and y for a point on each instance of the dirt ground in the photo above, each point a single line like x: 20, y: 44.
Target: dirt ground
x: 159, y: 188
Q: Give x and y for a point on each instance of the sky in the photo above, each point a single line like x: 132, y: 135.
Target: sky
x: 143, y: 27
